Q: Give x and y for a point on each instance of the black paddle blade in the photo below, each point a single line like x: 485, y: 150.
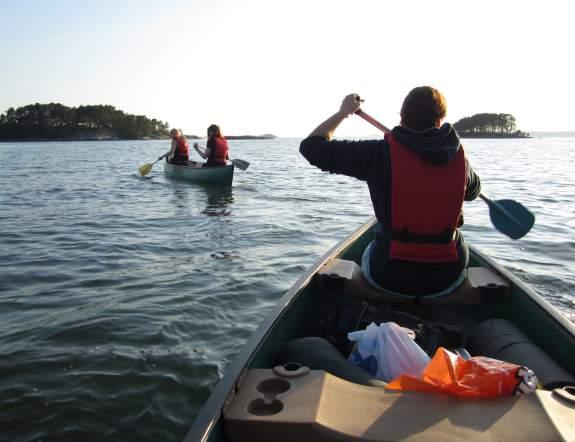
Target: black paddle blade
x: 241, y: 164
x: 511, y: 218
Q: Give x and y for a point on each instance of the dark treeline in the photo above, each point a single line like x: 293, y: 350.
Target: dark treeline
x: 489, y: 125
x: 56, y: 121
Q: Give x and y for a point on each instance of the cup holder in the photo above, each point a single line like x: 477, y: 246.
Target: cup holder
x: 260, y: 407
x: 291, y: 370
x: 566, y: 393
x: 273, y: 386
x: 292, y: 366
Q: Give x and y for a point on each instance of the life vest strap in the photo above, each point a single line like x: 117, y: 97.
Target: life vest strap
x: 405, y: 236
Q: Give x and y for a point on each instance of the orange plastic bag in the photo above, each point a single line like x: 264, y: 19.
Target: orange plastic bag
x: 477, y: 377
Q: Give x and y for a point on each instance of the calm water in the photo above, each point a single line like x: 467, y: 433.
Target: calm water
x: 123, y: 299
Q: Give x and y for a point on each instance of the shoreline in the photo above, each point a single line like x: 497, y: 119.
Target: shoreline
x: 501, y: 137
x: 61, y: 140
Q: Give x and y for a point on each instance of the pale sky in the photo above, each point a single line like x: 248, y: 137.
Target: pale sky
x: 282, y: 67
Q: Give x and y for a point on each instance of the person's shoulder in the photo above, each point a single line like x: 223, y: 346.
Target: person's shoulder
x: 313, y: 139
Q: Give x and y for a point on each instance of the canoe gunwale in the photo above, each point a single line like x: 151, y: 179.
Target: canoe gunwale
x: 213, y: 408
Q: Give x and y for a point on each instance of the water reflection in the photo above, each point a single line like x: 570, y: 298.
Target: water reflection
x: 213, y: 201
x: 218, y: 199
x: 181, y: 197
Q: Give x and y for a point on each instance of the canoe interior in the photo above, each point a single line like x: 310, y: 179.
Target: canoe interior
x: 300, y: 311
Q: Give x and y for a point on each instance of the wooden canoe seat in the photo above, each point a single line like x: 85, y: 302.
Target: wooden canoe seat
x: 481, y: 286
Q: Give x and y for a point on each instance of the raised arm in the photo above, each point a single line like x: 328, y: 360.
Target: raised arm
x: 358, y: 159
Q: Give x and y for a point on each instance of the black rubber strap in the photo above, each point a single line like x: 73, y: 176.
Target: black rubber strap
x: 405, y: 236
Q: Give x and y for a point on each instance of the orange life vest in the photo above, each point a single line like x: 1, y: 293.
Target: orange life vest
x: 426, y: 203
x: 183, y: 147
x: 219, y: 153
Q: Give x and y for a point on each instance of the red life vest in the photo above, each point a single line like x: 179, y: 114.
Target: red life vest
x: 426, y: 203
x: 183, y: 147
x: 219, y: 153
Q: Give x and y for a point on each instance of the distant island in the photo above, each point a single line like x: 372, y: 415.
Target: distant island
x: 489, y: 126
x: 55, y: 121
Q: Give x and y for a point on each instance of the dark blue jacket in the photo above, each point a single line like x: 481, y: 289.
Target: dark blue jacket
x: 368, y: 160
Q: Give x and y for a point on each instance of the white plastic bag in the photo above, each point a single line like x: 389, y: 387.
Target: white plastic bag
x: 386, y: 351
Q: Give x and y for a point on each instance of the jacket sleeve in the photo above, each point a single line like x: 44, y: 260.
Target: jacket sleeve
x: 352, y: 158
x: 473, y: 183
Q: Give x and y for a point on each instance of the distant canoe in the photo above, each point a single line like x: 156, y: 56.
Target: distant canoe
x: 221, y: 175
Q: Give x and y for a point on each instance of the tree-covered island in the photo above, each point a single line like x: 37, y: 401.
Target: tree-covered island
x: 55, y: 121
x: 489, y: 126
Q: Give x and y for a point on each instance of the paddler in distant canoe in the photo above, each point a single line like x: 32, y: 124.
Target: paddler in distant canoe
x: 418, y: 177
x: 179, y: 150
x: 178, y: 153
x: 217, y: 150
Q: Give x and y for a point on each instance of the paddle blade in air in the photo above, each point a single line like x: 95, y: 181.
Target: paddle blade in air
x: 511, y: 218
x: 241, y: 164
x: 145, y: 169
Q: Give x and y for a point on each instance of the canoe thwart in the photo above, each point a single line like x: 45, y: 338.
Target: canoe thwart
x: 482, y: 285
x: 321, y: 407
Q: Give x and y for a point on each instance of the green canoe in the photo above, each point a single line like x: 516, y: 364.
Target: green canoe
x: 221, y: 175
x: 265, y: 397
